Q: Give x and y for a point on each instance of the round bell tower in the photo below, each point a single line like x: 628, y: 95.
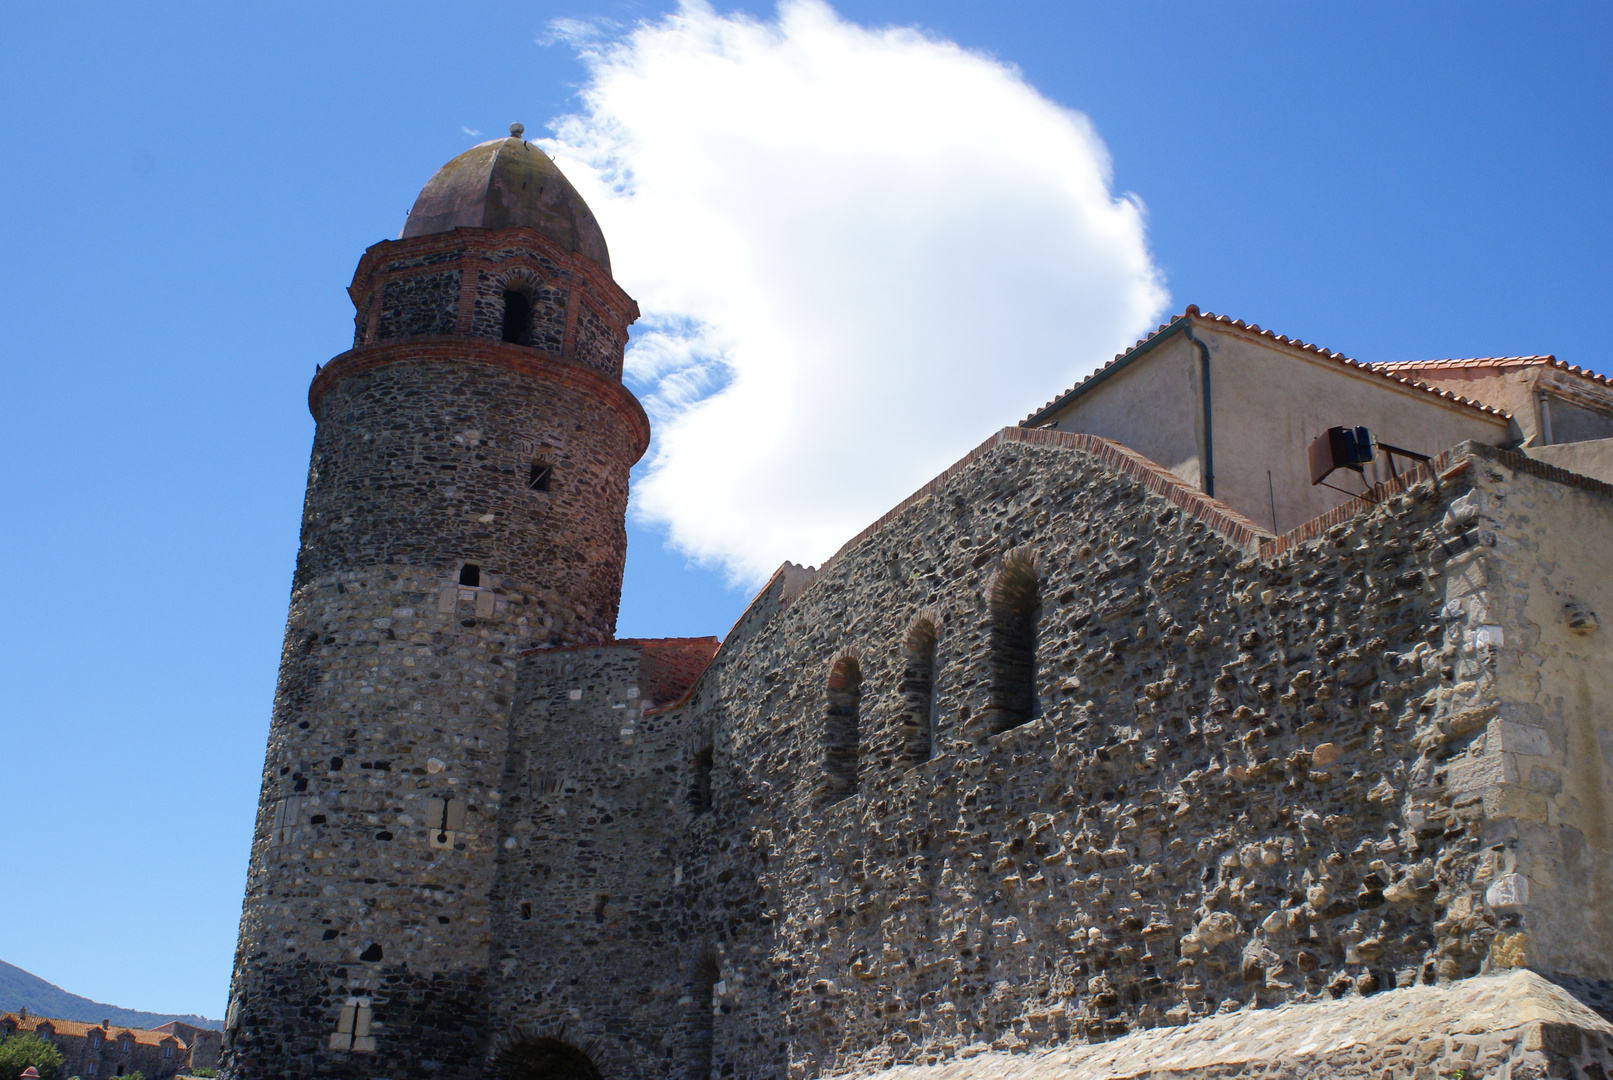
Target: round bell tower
x: 466, y: 499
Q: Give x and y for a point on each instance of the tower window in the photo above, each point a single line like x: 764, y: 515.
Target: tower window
x: 1016, y: 609
x: 918, y: 693
x: 517, y: 317
x: 470, y: 575
x: 538, y: 478
x: 840, y: 736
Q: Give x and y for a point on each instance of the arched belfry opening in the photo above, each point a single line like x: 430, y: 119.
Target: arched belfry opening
x: 840, y: 722
x: 543, y: 1059
x: 1015, y: 605
x: 517, y: 317
x: 918, y: 692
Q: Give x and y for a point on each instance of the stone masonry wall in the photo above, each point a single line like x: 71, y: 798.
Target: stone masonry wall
x: 598, y: 345
x: 585, y: 867
x: 424, y: 304
x: 1237, y: 790
x: 427, y: 463
x: 1540, y: 764
x: 394, y: 689
x: 429, y: 559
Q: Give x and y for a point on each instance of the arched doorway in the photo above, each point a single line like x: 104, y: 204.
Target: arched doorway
x: 543, y: 1059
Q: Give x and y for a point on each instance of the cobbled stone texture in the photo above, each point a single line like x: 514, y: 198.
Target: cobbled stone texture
x: 1233, y: 789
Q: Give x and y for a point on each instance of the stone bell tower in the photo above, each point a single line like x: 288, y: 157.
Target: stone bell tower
x: 466, y: 500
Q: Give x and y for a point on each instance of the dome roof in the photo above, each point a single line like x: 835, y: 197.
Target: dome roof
x: 504, y: 183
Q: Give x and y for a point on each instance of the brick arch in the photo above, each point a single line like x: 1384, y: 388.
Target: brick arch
x: 520, y: 277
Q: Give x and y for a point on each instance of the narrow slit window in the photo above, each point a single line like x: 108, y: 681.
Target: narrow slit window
x: 538, y: 478
x: 700, y: 788
x: 840, y: 734
x: 517, y: 317
x: 703, y: 1004
x: 918, y: 693
x: 470, y: 575
x: 1016, y: 612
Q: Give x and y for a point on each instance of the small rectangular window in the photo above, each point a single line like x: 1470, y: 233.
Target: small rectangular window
x: 538, y: 478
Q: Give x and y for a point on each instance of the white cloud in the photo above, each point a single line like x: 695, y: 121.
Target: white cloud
x: 859, y: 252
x: 470, y: 131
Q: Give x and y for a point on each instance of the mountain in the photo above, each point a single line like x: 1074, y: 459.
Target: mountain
x: 20, y: 990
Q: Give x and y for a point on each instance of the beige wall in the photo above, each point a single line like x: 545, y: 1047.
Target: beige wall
x: 1151, y: 405
x: 1269, y: 401
x: 1577, y: 408
x: 1593, y: 458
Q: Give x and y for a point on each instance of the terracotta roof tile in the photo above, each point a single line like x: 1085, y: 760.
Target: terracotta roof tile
x: 80, y: 1029
x: 1494, y: 362
x: 1207, y: 318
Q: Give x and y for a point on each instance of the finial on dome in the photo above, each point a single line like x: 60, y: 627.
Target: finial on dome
x: 517, y: 130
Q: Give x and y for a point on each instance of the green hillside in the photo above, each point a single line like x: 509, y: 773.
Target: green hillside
x: 21, y: 990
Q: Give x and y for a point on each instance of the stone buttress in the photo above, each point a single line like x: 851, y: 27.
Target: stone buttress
x: 465, y: 501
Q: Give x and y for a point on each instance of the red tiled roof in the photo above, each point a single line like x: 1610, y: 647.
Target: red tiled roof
x: 1494, y: 362
x: 1192, y: 313
x: 80, y: 1029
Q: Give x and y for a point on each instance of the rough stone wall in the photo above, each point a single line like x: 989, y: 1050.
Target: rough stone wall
x: 582, y: 912
x: 423, y: 304
x: 427, y: 463
x: 394, y: 689
x: 598, y: 345
x: 365, y: 933
x: 1238, y: 789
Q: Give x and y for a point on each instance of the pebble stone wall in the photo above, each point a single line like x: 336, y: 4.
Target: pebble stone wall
x: 1236, y: 794
x: 366, y: 929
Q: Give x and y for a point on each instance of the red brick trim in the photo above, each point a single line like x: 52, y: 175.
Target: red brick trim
x: 545, y: 367
x: 1446, y: 466
x: 476, y: 242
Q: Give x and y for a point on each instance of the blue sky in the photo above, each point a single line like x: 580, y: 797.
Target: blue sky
x: 190, y: 189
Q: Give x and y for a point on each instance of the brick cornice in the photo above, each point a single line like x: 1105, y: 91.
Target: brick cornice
x: 544, y: 367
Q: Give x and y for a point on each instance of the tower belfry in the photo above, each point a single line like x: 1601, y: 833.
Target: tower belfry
x: 466, y: 500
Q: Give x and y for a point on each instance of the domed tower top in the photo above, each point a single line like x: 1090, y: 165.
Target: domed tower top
x: 503, y: 183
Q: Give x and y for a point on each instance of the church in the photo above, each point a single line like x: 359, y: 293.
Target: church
x: 1243, y: 710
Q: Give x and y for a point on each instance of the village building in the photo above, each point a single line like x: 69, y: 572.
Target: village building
x: 107, y: 1050
x: 1244, y: 710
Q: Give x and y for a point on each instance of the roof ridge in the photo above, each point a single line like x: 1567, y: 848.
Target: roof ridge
x: 1538, y: 359
x: 1192, y: 312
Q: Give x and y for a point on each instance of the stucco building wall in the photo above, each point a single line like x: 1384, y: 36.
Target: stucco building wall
x: 1268, y: 401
